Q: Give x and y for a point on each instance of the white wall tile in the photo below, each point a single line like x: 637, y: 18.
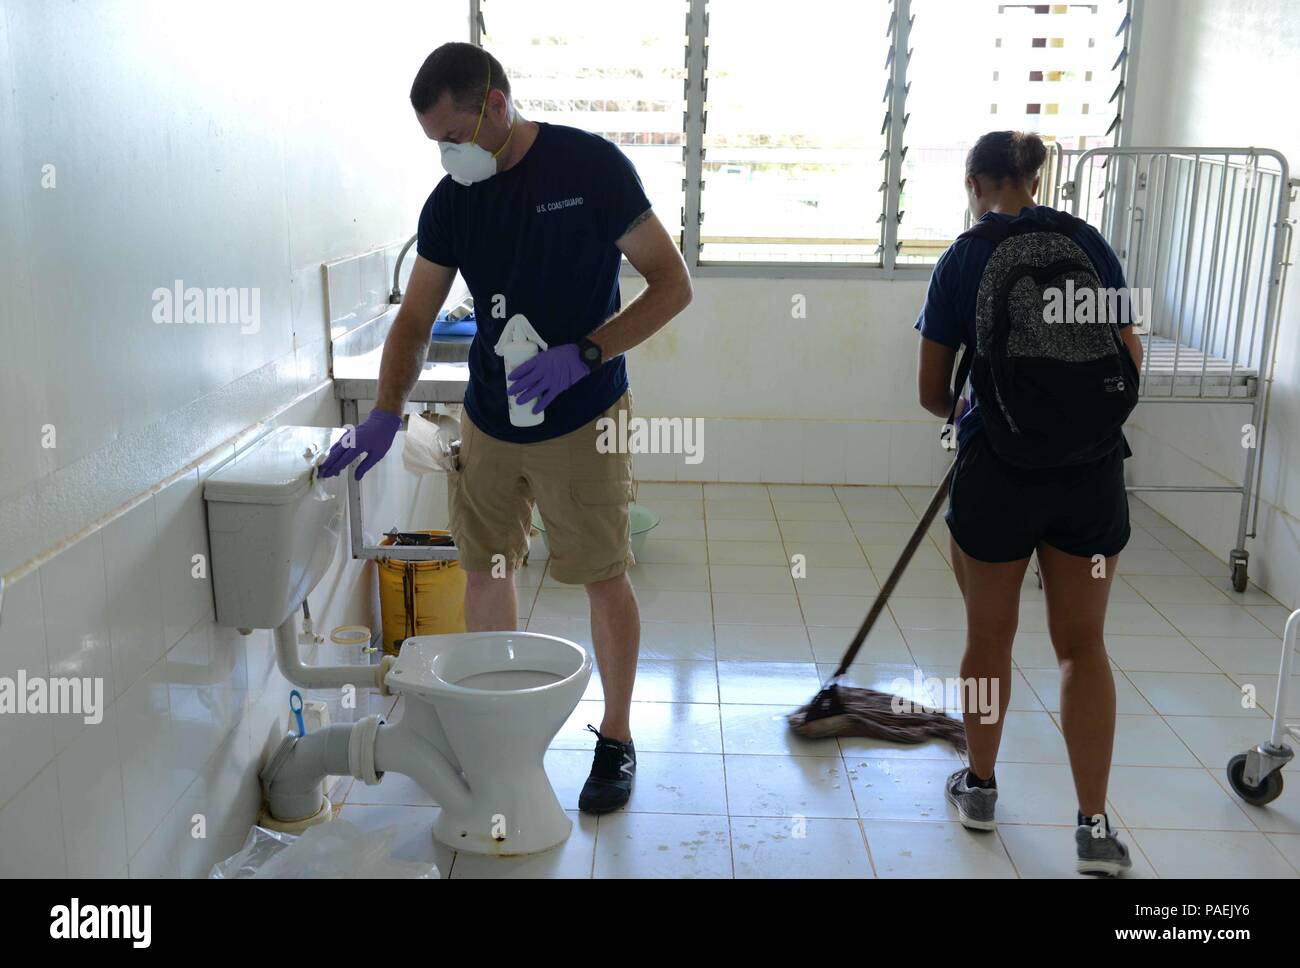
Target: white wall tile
x: 740, y: 443
x: 781, y: 452
x: 182, y: 534
x: 866, y: 453
x: 134, y: 596
x: 31, y: 830
x: 207, y: 690
x: 90, y: 792
x: 824, y: 452
x: 144, y: 734
x: 75, y: 604
x: 909, y: 453
x: 26, y: 740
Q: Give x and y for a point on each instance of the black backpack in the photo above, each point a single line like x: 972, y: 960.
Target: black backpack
x: 1051, y: 393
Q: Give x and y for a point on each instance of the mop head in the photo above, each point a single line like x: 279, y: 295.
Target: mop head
x: 840, y: 711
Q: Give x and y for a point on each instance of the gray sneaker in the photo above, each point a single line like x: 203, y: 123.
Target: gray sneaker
x: 1100, y: 850
x: 974, y: 804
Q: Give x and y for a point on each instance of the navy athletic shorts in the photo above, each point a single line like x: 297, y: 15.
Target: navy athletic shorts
x: 998, y: 512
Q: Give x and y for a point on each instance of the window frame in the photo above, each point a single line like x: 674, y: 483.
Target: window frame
x: 895, y: 120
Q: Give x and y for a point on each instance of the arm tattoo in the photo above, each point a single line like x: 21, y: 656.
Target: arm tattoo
x: 643, y: 217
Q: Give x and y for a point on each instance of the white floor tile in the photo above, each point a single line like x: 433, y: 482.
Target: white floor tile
x: 802, y: 848
x: 929, y: 850
x: 743, y: 608
x: 1177, y: 589
x: 1046, y: 684
x: 668, y: 577
x: 1192, y: 694
x: 788, y: 786
x: 572, y: 859
x: 677, y: 640
x: 763, y: 643
x: 857, y: 583
x: 1216, y: 739
x: 891, y: 788
x: 693, y: 550
x: 763, y: 730
x: 1049, y: 852
x: 1220, y: 620
x: 1256, y: 656
x: 657, y: 727
x: 787, y: 510
x: 671, y: 680
x: 1037, y: 793
x: 1149, y: 741
x: 745, y: 509
x: 1157, y: 653
x: 741, y: 529
x: 758, y: 553
x: 885, y: 643
x: 413, y: 832
x: 1031, y: 737
x: 768, y: 683
x: 1212, y: 854
x: 796, y: 533
x: 1173, y: 799
x: 751, y: 579
x: 650, y: 845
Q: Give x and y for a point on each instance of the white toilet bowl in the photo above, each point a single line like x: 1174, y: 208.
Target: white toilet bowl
x: 490, y: 703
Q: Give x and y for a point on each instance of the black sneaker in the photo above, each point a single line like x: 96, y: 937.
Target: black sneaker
x: 612, y: 772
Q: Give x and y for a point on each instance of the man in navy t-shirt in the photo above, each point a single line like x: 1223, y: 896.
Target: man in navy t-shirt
x: 537, y: 218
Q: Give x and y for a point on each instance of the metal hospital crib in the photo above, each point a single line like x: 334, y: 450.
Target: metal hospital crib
x: 1205, y: 233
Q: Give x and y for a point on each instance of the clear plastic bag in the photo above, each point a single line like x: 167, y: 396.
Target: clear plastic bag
x: 336, y: 849
x: 431, y: 442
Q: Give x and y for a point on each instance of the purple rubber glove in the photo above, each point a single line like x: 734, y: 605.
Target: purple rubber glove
x: 547, y: 375
x: 373, y: 438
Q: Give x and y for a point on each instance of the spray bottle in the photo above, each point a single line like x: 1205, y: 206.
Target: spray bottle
x: 519, y: 343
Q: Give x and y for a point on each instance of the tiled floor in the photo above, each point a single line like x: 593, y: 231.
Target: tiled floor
x: 731, y: 642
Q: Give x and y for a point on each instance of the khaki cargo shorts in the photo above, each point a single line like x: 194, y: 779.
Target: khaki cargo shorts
x: 582, y: 495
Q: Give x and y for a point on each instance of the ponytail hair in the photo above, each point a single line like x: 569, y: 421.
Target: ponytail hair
x: 1002, y: 155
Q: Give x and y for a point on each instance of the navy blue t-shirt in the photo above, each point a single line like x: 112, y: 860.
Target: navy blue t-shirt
x: 948, y: 316
x: 538, y: 239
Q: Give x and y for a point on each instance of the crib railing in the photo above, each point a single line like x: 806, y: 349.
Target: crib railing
x: 1201, y: 234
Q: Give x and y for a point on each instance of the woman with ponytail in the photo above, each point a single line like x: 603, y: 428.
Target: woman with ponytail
x: 1074, y: 517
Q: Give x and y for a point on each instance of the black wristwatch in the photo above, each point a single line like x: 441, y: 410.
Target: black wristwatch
x: 590, y: 353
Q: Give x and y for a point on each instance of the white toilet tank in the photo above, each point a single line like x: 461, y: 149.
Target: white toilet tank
x: 272, y: 529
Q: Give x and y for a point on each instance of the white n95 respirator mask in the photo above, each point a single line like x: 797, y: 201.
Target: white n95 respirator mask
x: 470, y: 162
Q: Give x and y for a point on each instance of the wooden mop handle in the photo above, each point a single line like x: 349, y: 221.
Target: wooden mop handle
x: 882, y: 598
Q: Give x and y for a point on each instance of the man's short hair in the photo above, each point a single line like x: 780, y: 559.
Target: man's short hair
x: 461, y: 69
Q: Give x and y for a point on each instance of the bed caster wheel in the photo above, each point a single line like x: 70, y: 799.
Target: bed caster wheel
x: 1236, y: 559
x: 1269, y: 789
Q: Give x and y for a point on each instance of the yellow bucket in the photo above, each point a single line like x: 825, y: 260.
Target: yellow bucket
x: 419, y: 598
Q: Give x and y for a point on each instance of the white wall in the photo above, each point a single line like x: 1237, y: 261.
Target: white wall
x: 1222, y: 72
x: 238, y: 144
x: 826, y: 399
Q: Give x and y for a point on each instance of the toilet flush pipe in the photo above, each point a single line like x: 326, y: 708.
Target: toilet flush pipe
x: 401, y: 749
x: 322, y: 677
x: 366, y: 750
x: 292, y: 779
